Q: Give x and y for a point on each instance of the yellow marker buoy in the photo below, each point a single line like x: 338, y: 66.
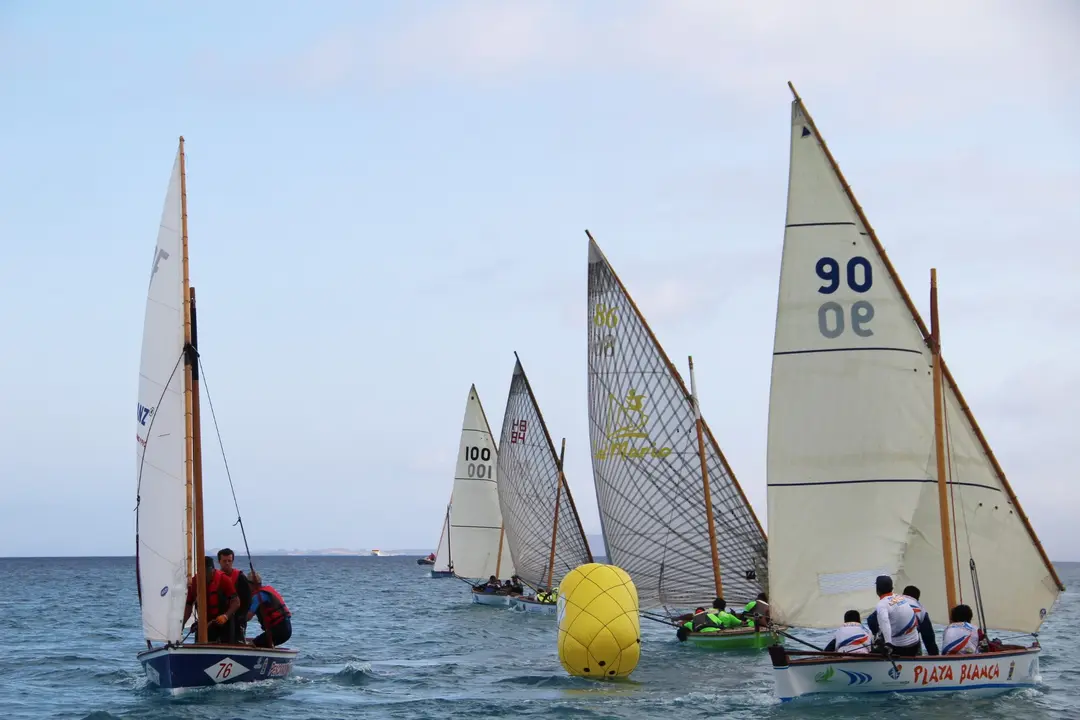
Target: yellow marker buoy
x: 599, y: 629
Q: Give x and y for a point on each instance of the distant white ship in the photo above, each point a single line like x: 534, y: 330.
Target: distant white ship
x: 379, y: 553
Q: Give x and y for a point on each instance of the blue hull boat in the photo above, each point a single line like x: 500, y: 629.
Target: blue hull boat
x: 194, y: 666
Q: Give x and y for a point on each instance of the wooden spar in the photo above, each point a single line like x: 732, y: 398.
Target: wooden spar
x: 939, y: 443
x: 197, y: 486
x: 498, y: 558
x: 185, y: 300
x: 555, y: 524
x: 1013, y: 500
x: 678, y: 378
x: 551, y: 446
x: 705, y: 484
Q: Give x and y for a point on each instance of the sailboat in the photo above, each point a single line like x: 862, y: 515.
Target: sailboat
x: 542, y: 524
x: 169, y: 518
x: 671, y: 511
x: 876, y: 465
x: 476, y: 540
x: 442, y: 564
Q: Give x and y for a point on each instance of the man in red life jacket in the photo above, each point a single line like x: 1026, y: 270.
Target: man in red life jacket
x: 225, y: 558
x: 221, y: 603
x: 274, y: 616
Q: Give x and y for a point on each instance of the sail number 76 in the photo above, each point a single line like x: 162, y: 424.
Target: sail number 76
x: 831, y: 315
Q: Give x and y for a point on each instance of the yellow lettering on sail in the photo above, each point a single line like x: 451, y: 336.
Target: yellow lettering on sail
x: 626, y: 423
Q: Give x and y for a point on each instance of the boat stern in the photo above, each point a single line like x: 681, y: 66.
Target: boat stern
x: 192, y: 666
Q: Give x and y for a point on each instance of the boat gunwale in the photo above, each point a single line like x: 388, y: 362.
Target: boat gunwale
x: 822, y: 658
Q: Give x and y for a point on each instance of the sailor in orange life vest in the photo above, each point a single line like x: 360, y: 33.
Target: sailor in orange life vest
x: 273, y: 613
x: 225, y: 559
x: 221, y: 603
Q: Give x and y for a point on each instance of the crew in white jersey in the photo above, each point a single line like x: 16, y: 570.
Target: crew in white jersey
x: 851, y: 637
x: 897, y: 621
x: 960, y: 636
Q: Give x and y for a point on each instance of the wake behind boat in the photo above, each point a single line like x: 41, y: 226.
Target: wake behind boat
x: 864, y: 415
x: 169, y: 515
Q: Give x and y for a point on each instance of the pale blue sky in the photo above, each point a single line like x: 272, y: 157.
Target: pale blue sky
x: 387, y: 199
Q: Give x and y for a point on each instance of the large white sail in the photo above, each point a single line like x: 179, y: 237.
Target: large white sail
x: 647, y: 469
x: 476, y: 533
x: 161, y: 441
x: 851, y: 456
x: 442, y: 552
x: 531, y: 492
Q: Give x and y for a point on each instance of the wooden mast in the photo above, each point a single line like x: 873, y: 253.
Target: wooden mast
x: 946, y: 374
x: 184, y: 299
x: 555, y: 524
x: 705, y: 484
x: 498, y: 558
x: 197, y: 484
x: 939, y: 442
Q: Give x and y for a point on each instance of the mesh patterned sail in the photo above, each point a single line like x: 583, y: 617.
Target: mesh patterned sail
x: 535, y: 503
x: 852, y: 464
x: 647, y: 469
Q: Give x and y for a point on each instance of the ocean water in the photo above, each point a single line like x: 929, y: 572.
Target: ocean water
x: 379, y: 639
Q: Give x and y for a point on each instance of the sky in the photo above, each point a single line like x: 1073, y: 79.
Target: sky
x: 386, y: 199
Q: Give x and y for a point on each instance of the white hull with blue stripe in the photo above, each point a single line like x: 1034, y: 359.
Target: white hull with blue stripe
x: 837, y: 674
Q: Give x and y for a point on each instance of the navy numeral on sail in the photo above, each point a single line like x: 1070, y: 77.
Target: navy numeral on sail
x: 478, y: 469
x: 859, y: 275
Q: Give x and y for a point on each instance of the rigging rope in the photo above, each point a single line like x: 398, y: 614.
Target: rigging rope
x: 232, y: 488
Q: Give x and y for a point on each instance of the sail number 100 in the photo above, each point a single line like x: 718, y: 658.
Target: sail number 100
x: 831, y: 315
x: 478, y: 469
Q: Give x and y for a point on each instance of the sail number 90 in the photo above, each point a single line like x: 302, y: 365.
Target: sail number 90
x: 478, y: 469
x: 831, y: 315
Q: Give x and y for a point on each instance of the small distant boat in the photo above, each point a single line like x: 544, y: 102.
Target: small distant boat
x: 426, y: 560
x: 864, y: 415
x: 379, y: 553
x: 169, y: 509
x: 670, y: 505
x: 538, y: 511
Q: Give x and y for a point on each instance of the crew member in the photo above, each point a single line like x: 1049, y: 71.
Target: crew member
x: 896, y: 619
x: 274, y: 616
x: 851, y: 637
x: 221, y: 603
x: 960, y: 636
x: 225, y: 558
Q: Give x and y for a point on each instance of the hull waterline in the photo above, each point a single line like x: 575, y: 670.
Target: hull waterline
x: 491, y: 599
x: 194, y: 666
x: 737, y: 639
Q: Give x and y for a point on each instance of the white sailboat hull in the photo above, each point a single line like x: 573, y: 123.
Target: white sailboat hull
x: 493, y: 599
x: 523, y: 604
x: 990, y: 673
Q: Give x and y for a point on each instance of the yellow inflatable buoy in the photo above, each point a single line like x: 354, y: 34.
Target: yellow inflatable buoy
x: 599, y: 630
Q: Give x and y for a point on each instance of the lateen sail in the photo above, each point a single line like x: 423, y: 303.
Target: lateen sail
x: 647, y: 469
x: 160, y: 435
x: 529, y: 488
x: 851, y: 457
x: 476, y: 533
x: 442, y: 553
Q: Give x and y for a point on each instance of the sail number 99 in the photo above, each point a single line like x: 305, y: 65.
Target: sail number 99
x: 831, y: 315
x: 478, y: 469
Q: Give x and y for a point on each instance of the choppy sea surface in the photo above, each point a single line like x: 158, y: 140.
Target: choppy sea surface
x: 379, y: 639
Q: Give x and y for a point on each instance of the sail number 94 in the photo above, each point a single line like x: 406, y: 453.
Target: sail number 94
x: 859, y: 276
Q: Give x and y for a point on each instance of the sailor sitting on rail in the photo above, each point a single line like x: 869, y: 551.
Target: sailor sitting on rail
x: 547, y: 596
x: 851, y: 637
x: 926, y: 627
x: 897, y: 620
x: 960, y: 636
